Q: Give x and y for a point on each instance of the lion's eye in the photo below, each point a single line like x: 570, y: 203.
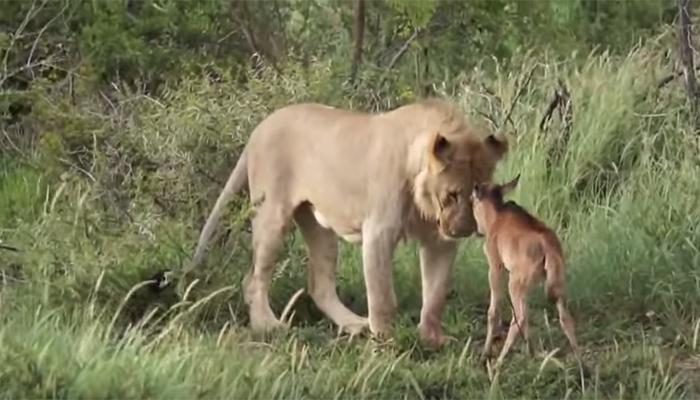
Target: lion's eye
x: 452, y: 197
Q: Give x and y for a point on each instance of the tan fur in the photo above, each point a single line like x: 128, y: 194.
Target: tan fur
x: 529, y: 251
x: 369, y: 178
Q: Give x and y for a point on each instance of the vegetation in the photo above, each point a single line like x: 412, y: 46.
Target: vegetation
x: 120, y: 120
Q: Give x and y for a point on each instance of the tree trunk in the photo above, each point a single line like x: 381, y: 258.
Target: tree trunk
x: 359, y: 38
x: 686, y: 53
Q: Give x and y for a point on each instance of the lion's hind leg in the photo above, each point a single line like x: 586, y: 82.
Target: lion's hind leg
x: 269, y: 227
x: 322, y: 246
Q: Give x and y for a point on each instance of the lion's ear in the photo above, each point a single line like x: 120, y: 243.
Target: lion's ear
x: 498, y: 144
x: 440, y: 151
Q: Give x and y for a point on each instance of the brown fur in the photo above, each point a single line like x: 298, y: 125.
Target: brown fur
x: 530, y: 251
x: 369, y: 178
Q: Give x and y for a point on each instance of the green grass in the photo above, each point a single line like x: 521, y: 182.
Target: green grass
x: 624, y: 198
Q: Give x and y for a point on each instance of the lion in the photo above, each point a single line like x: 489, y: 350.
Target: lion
x: 369, y: 178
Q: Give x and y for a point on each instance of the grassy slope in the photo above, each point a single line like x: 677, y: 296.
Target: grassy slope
x: 624, y: 195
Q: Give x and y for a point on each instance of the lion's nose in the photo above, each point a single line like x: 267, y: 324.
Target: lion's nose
x: 460, y: 232
x: 464, y: 229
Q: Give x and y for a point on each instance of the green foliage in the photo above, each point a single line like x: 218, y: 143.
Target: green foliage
x: 417, y: 13
x: 621, y: 195
x: 21, y: 193
x: 153, y: 41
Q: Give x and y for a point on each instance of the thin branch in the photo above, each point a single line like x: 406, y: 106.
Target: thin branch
x: 12, y: 144
x: 403, y: 49
x: 9, y: 248
x: 398, y: 55
x: 521, y: 89
x: 43, y: 29
x: 560, y: 98
x: 208, y: 176
x: 668, y: 79
x: 488, y: 117
x: 7, y: 75
x: 80, y: 169
x: 18, y: 32
x: 671, y: 77
x: 562, y: 103
x: 226, y: 36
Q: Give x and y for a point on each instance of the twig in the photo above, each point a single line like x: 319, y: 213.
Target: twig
x: 9, y: 248
x: 403, y: 49
x: 521, y: 89
x: 398, y: 55
x: 13, y: 145
x: 668, y: 79
x: 491, y: 120
x: 80, y: 169
x: 10, y: 74
x: 562, y: 103
x: 208, y: 176
x: 43, y: 29
x: 566, y: 111
x: 226, y: 36
x: 550, y: 110
x: 560, y: 99
x: 18, y: 32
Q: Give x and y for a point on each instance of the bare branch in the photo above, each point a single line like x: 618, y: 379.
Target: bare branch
x: 43, y: 29
x: 13, y: 145
x: 668, y: 79
x: 561, y: 98
x: 403, y: 49
x: 18, y: 32
x: 8, y: 248
x: 519, y: 93
x: 398, y: 55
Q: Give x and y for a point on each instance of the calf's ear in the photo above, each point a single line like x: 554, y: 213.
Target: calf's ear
x: 507, y: 187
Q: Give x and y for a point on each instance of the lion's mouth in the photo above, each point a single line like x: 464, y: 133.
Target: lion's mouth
x: 451, y: 237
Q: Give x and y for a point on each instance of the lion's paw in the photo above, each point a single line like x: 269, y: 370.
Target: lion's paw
x: 354, y: 328
x: 267, y: 324
x: 431, y: 335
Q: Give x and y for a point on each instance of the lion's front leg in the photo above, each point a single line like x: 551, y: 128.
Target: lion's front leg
x: 378, y: 244
x: 436, y: 259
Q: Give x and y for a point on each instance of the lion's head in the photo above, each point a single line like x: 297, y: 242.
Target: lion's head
x: 454, y: 164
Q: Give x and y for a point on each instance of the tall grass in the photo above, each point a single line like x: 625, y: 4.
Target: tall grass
x: 623, y: 195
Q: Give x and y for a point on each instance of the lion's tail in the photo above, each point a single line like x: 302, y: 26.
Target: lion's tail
x: 236, y: 182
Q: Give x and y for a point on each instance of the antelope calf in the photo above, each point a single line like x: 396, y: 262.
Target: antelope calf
x: 529, y: 251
